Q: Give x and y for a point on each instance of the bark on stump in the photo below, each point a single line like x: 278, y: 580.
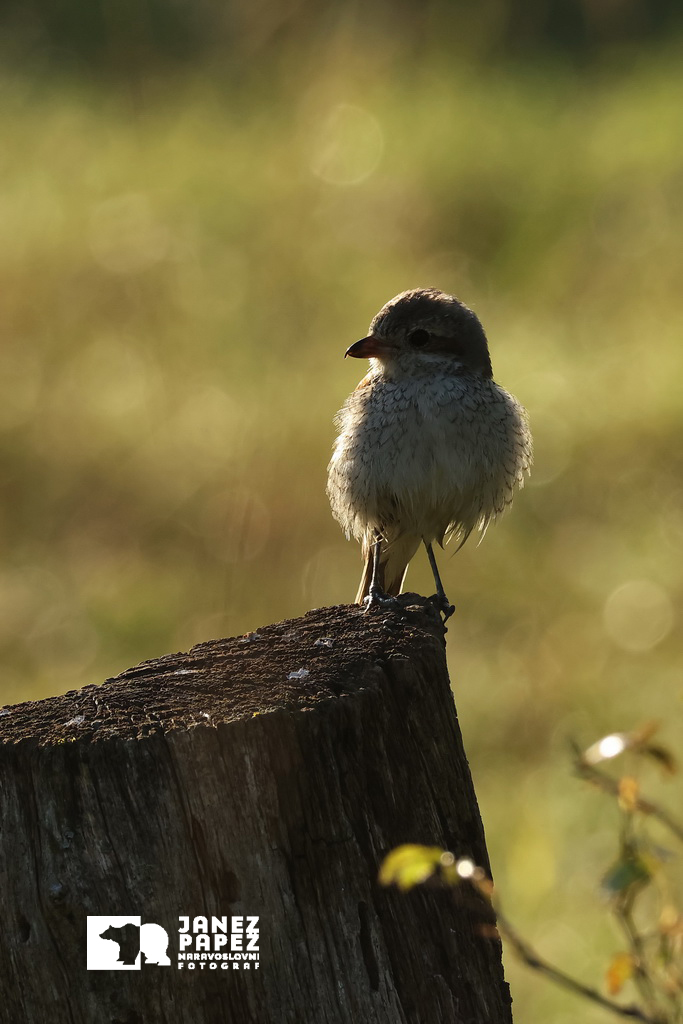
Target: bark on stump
x: 265, y: 775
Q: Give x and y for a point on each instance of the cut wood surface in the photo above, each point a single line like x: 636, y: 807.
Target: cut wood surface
x: 266, y: 775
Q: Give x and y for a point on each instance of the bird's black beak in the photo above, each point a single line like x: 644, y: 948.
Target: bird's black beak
x: 367, y: 348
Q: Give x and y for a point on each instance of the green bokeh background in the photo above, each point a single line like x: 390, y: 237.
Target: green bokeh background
x: 200, y: 209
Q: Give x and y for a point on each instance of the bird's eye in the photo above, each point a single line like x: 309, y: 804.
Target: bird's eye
x: 418, y: 338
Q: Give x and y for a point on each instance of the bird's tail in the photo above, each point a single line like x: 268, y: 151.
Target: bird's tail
x: 393, y: 565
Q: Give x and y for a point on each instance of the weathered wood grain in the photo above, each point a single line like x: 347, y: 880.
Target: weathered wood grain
x: 227, y: 781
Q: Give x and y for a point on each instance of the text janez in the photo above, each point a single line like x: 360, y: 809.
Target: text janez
x: 232, y: 940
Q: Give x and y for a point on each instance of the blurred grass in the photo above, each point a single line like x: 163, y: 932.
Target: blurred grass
x: 182, y: 267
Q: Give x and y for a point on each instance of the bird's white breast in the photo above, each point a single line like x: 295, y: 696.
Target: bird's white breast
x: 427, y: 454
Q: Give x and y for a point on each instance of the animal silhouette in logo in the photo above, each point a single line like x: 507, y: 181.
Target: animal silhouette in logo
x: 128, y: 939
x: 124, y: 943
x: 154, y: 944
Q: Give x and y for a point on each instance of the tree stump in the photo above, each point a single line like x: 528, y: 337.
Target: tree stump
x: 264, y: 776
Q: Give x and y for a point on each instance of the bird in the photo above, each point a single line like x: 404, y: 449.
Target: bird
x: 429, y: 447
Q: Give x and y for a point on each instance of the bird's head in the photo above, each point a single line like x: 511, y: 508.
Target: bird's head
x: 426, y: 327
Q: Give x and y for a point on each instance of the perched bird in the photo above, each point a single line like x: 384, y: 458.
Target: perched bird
x: 429, y: 446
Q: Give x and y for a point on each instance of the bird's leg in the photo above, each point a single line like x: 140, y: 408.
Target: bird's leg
x: 376, y: 595
x: 375, y: 588
x: 444, y: 604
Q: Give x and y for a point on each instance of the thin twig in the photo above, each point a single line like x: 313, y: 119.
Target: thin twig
x: 609, y: 785
x: 533, y: 960
x: 641, y: 976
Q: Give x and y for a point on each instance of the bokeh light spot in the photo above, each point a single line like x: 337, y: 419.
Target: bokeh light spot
x: 465, y: 867
x: 125, y: 237
x: 611, y: 746
x: 238, y: 525
x: 638, y: 615
x: 349, y: 146
x: 112, y: 377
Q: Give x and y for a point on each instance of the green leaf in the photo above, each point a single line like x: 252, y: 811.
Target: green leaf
x: 629, y: 872
x: 409, y: 865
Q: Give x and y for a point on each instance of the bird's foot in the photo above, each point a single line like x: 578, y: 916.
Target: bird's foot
x: 378, y: 599
x: 443, y: 605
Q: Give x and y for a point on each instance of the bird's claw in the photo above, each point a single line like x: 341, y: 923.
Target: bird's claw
x: 443, y: 605
x: 378, y: 599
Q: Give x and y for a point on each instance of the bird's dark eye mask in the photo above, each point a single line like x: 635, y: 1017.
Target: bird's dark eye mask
x: 468, y: 347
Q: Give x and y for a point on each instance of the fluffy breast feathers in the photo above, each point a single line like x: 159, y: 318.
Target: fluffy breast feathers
x: 432, y: 456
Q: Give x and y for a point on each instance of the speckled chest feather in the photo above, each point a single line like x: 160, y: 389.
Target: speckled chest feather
x: 430, y: 454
